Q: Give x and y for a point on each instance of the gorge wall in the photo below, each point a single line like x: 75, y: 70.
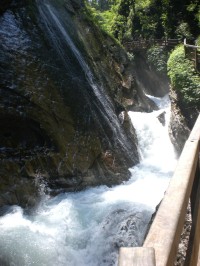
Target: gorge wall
x: 55, y: 130
x: 66, y: 87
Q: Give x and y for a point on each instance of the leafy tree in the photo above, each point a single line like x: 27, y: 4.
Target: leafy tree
x: 128, y: 19
x: 101, y: 5
x: 157, y: 57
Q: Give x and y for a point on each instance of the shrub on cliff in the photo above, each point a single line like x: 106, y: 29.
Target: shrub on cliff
x: 184, y: 79
x: 157, y: 56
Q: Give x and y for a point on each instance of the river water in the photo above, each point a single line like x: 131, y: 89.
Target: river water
x: 88, y: 227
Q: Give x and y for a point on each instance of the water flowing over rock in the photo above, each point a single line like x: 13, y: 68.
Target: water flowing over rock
x: 178, y: 128
x: 88, y: 227
x: 66, y: 89
x: 64, y: 84
x: 153, y: 83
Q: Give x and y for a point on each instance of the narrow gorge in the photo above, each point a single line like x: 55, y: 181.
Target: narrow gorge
x: 85, y: 152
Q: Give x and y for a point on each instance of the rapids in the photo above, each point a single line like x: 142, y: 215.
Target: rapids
x: 88, y: 227
x: 85, y: 228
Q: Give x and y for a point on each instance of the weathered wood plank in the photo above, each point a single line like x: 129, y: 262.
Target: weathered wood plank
x: 164, y: 234
x: 195, y: 134
x: 190, y: 45
x: 198, y: 263
x: 137, y: 257
x: 191, y: 52
x: 194, y: 241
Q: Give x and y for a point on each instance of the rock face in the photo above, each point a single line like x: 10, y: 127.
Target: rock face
x: 123, y: 83
x: 4, y: 5
x: 161, y: 118
x: 55, y: 134
x: 178, y: 129
x: 65, y: 91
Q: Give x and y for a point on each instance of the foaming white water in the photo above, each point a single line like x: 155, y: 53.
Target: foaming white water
x: 151, y: 177
x: 86, y: 228
x: 155, y: 146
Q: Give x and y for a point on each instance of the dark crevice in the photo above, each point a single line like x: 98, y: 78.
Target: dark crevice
x: 21, y: 136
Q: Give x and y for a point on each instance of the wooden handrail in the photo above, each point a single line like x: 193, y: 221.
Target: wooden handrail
x: 189, y: 45
x: 137, y: 256
x: 192, y: 53
x: 145, y: 43
x: 164, y: 234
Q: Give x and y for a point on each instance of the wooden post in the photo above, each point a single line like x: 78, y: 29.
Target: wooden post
x: 137, y: 257
x: 195, y: 59
x: 185, y: 48
x: 194, y: 241
x: 164, y: 234
x: 194, y: 192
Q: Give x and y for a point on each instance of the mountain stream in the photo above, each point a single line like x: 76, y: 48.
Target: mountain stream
x: 88, y: 227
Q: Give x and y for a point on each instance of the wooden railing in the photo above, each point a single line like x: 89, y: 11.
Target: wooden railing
x: 161, y: 244
x: 141, y: 44
x: 192, y: 52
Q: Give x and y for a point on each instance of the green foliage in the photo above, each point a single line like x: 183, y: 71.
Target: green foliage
x: 129, y: 19
x: 157, y: 56
x: 184, y: 78
x: 142, y: 4
x: 198, y: 40
x: 125, y: 7
x: 101, y: 5
x: 93, y: 15
x: 183, y: 31
x: 98, y: 18
x: 104, y: 19
x: 122, y: 23
x: 107, y: 21
x: 130, y: 56
x: 162, y: 18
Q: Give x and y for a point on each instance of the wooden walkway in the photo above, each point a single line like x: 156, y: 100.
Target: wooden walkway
x: 161, y: 244
x: 192, y: 52
x: 142, y: 44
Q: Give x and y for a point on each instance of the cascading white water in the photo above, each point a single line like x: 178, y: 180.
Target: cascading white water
x: 86, y: 228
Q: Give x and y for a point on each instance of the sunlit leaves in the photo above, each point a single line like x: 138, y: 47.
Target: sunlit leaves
x: 157, y: 56
x: 184, y: 78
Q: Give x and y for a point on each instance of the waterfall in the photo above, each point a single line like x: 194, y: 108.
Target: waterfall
x: 99, y: 99
x: 88, y: 227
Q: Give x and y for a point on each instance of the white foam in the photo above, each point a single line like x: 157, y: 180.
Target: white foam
x: 86, y: 228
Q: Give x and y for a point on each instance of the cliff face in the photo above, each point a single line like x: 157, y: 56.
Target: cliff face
x: 4, y: 5
x: 57, y: 130
x: 178, y: 128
